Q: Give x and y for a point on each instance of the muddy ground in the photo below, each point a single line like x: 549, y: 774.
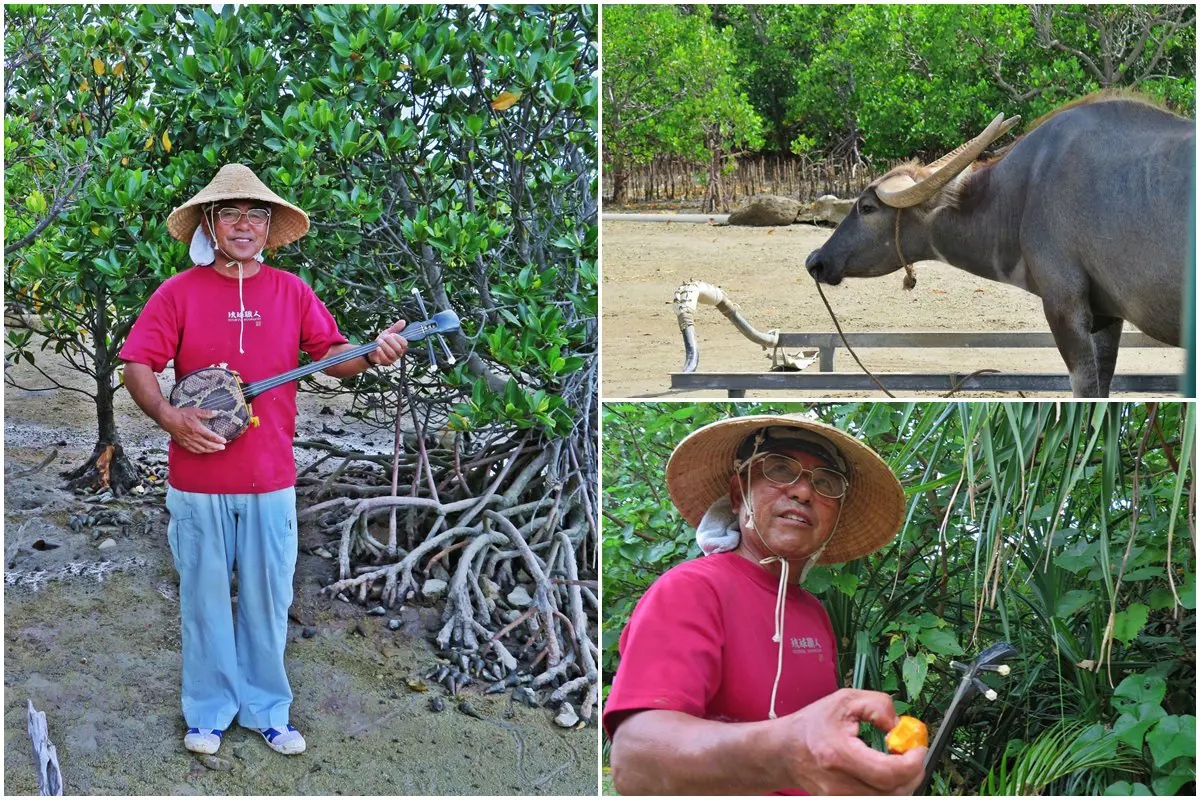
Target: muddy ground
x: 762, y: 270
x: 92, y: 638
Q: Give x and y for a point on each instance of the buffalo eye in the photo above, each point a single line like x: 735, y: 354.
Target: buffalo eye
x: 865, y: 207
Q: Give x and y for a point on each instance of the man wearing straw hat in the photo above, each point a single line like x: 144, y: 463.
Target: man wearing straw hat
x: 235, y: 502
x: 728, y: 679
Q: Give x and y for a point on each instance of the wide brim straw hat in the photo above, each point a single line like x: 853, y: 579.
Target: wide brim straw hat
x: 872, y: 513
x: 238, y: 182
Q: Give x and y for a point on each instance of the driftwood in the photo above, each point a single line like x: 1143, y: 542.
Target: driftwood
x: 45, y: 754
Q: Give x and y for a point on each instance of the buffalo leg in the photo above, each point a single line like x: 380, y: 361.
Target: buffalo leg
x: 1070, y: 321
x: 1107, y: 339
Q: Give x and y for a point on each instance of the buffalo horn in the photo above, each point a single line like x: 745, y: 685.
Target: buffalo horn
x: 899, y: 191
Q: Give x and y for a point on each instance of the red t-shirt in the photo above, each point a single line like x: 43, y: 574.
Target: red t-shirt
x: 700, y: 641
x: 194, y: 318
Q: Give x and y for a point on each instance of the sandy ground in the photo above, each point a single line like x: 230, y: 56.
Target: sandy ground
x: 92, y: 638
x: 762, y: 270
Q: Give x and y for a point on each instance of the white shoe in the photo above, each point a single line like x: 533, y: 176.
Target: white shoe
x: 202, y: 740
x: 287, y: 741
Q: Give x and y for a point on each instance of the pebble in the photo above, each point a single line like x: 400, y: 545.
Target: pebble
x: 567, y: 718
x: 394, y: 624
x: 217, y: 763
x: 377, y: 611
x: 433, y: 587
x: 525, y: 696
x: 510, y: 615
x: 436, y: 704
x: 308, y: 633
x: 519, y: 597
x: 322, y: 552
x: 107, y: 543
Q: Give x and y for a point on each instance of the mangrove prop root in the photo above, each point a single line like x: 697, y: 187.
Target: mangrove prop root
x: 509, y: 528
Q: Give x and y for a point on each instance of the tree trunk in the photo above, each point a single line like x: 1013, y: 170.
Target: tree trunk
x: 108, y: 468
x: 620, y: 188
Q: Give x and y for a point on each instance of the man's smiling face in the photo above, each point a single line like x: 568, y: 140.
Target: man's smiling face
x: 244, y: 239
x: 793, y: 520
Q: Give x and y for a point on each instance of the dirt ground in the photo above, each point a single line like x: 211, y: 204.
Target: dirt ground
x: 92, y: 638
x: 762, y: 270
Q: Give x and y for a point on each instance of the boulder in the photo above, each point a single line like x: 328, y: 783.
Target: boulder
x: 767, y: 209
x: 827, y: 208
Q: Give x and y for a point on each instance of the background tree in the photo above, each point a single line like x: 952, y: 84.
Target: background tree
x: 449, y: 150
x: 672, y: 86
x: 874, y: 83
x: 1064, y: 530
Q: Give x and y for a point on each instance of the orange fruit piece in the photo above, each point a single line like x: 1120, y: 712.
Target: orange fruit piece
x: 909, y: 732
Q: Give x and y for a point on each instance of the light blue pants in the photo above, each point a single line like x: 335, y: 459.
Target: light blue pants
x: 233, y: 670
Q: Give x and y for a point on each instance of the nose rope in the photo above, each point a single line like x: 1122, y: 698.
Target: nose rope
x: 910, y: 272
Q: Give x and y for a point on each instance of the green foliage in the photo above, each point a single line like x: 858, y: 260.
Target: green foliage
x: 893, y: 81
x: 1020, y: 518
x: 382, y: 122
x: 672, y: 85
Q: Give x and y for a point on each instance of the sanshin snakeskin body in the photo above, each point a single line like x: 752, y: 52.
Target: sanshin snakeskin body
x: 217, y: 389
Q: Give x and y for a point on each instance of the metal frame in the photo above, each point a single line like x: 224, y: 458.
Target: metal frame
x: 737, y: 383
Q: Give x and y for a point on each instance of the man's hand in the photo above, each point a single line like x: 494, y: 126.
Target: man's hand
x: 184, y: 425
x: 391, y: 346
x: 827, y: 757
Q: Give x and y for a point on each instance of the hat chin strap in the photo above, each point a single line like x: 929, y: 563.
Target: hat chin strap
x: 232, y: 261
x: 784, y: 567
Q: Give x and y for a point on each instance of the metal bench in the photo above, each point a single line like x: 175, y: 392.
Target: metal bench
x: 790, y: 375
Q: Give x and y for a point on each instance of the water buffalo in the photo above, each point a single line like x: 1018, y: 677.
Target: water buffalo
x: 1089, y: 211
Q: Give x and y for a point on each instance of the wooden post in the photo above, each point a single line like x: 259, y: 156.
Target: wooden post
x: 45, y: 754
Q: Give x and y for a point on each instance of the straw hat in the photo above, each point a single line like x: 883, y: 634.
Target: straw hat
x: 872, y: 511
x: 237, y: 182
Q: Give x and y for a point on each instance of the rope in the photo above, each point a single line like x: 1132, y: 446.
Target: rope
x: 837, y: 325
x: 910, y: 272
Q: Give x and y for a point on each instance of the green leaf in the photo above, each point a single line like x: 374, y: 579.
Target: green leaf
x: 941, y: 641
x: 914, y: 672
x: 1126, y: 789
x: 846, y: 582
x: 1137, y: 690
x: 1072, y: 601
x: 1172, y: 737
x: 1129, y: 622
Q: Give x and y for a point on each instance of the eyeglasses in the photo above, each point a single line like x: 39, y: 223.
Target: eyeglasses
x: 783, y: 471
x: 232, y: 216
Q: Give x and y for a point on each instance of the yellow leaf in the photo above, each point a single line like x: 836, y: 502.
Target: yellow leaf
x: 98, y: 65
x: 95, y: 229
x: 125, y: 161
x: 505, y: 100
x: 166, y: 140
x: 144, y: 125
x: 403, y: 66
x: 83, y: 87
x: 118, y: 68
x: 143, y: 62
x: 149, y: 143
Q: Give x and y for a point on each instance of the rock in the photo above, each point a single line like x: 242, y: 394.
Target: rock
x: 767, y: 209
x: 519, y: 597
x: 525, y: 696
x: 439, y: 572
x: 827, y: 208
x: 308, y: 633
x: 217, y: 763
x: 567, y: 718
x: 322, y: 552
x: 434, y: 587
x: 510, y: 615
x: 394, y: 624
x: 490, y: 588
x: 107, y: 543
x: 377, y: 611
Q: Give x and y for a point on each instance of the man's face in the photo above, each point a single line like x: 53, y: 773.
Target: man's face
x: 793, y: 520
x: 243, y: 239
